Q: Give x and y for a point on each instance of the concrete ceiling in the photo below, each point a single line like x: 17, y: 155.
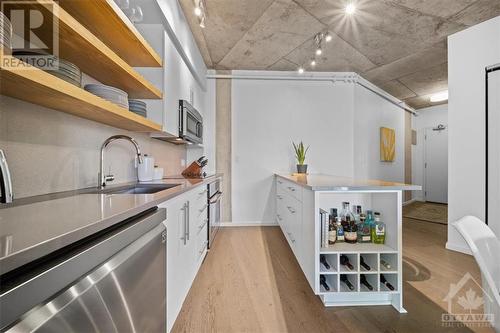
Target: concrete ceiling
x: 399, y: 45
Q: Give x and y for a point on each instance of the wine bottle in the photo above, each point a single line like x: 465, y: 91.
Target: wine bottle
x: 345, y: 262
x: 348, y: 283
x: 385, y: 282
x: 364, y: 281
x: 363, y: 263
x: 322, y: 281
x: 385, y: 264
x: 322, y: 259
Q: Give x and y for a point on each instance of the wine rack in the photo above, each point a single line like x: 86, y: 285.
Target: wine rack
x: 339, y: 294
x: 372, y: 275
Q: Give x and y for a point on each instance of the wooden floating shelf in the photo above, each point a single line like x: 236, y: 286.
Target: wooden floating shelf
x: 33, y: 85
x: 81, y: 47
x: 108, y: 22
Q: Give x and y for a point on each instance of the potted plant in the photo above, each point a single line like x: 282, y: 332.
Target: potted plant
x: 300, y: 154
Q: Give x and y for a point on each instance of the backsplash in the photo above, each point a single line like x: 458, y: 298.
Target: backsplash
x: 50, y: 151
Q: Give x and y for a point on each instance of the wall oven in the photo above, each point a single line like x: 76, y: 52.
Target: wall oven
x: 190, y: 123
x: 214, y: 210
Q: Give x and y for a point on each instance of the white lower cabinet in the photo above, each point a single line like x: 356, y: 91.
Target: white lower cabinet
x: 186, y: 246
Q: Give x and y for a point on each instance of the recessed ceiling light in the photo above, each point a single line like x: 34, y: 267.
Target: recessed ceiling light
x: 301, y: 70
x: 313, y: 63
x: 328, y: 37
x: 319, y: 51
x: 197, y: 11
x: 439, y: 97
x: 350, y: 8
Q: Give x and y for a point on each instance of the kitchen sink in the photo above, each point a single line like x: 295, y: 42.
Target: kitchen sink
x: 137, y: 189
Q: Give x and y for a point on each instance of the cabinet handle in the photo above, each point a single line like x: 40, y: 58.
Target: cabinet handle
x: 280, y: 182
x: 184, y: 221
x: 201, y: 226
x: 279, y: 217
x: 291, y: 188
x: 204, y: 207
x: 187, y: 220
x: 291, y: 209
x: 291, y: 238
x: 279, y: 197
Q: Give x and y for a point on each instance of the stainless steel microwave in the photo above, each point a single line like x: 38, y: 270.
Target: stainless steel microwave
x: 190, y: 123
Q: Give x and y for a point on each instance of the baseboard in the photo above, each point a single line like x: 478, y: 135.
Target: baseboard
x: 249, y: 224
x: 458, y: 248
x: 409, y: 202
x: 413, y: 200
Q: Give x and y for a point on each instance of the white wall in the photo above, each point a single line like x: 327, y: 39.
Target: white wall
x: 469, y: 52
x: 370, y: 113
x: 427, y: 118
x: 266, y: 117
x: 50, y: 151
x: 340, y: 122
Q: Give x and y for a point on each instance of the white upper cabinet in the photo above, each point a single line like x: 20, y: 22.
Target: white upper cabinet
x: 174, y: 79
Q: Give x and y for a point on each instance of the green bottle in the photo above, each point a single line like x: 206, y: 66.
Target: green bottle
x: 378, y: 230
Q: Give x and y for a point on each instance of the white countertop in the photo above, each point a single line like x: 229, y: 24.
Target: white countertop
x: 51, y: 222
x: 320, y: 182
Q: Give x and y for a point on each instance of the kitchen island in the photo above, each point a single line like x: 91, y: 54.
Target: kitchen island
x: 299, y: 199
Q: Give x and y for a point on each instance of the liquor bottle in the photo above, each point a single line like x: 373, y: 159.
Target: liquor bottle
x: 351, y: 233
x: 343, y: 278
x: 322, y: 281
x: 364, y: 281
x: 346, y: 214
x: 369, y: 218
x: 385, y: 264
x: 322, y: 260
x: 364, y: 233
x: 340, y: 230
x: 378, y: 230
x: 356, y: 212
x: 332, y: 227
x: 344, y: 260
x: 386, y: 283
x: 363, y: 263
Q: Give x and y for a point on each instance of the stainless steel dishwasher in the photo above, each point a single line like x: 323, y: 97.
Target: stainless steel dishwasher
x: 124, y: 293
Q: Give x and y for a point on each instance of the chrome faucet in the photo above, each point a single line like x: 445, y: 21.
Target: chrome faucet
x: 107, y: 178
x: 6, y: 194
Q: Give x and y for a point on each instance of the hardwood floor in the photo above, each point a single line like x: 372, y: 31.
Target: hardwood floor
x: 251, y: 282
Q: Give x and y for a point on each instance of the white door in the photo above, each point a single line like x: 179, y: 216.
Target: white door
x: 436, y: 165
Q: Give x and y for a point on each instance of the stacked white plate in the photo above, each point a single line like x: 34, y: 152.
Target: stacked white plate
x: 5, y: 34
x: 62, y: 69
x: 68, y: 72
x: 138, y: 107
x: 112, y: 94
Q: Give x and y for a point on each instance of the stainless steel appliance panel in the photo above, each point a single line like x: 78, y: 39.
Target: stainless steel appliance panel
x: 125, y: 294
x: 25, y: 291
x: 214, y: 210
x: 190, y: 123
